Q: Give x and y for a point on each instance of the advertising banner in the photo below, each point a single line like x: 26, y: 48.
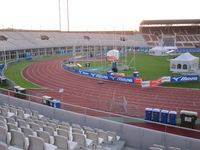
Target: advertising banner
x: 165, y: 79
x: 101, y: 76
x: 154, y: 83
x: 107, y: 76
x: 137, y: 80
x: 125, y: 79
x: 145, y: 84
x: 184, y: 78
x: 121, y: 79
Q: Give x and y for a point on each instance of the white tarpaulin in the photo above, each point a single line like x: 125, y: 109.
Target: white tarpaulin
x: 112, y: 55
x: 162, y: 50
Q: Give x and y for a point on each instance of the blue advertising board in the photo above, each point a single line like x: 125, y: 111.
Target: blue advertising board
x: 121, y: 79
x: 184, y: 78
x: 93, y: 74
x: 100, y: 76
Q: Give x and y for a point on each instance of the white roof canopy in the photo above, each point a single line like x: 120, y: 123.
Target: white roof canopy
x: 186, y: 57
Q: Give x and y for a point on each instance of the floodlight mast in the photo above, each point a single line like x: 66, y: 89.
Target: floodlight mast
x: 59, y: 15
x: 67, y: 15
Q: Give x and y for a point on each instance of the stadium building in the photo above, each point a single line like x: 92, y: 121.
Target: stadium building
x: 83, y: 123
x: 180, y: 33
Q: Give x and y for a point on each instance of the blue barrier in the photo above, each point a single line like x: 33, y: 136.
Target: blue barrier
x: 99, y: 76
x: 126, y: 79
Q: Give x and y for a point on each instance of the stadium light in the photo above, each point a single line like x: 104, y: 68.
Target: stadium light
x: 59, y: 15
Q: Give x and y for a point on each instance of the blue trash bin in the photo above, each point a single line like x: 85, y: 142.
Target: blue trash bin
x: 55, y: 103
x: 164, y: 116
x: 156, y: 114
x: 136, y: 74
x: 148, y: 113
x: 172, y: 117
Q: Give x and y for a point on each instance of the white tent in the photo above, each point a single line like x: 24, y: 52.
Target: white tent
x: 162, y: 50
x: 112, y: 55
x: 184, y: 63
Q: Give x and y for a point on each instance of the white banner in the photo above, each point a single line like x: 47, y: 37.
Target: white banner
x: 165, y: 79
x: 145, y: 84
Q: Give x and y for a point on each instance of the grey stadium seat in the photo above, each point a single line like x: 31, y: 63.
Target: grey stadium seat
x: 17, y: 139
x: 3, y: 146
x: 27, y: 131
x: 61, y: 142
x: 63, y: 132
x: 3, y: 134
x: 44, y: 135
x: 36, y: 143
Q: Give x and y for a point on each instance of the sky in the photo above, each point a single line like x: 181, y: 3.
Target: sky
x: 92, y: 15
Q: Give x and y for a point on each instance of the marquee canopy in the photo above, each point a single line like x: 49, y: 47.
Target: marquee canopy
x: 184, y: 63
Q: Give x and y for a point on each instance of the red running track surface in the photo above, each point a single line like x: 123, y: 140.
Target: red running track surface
x: 88, y: 92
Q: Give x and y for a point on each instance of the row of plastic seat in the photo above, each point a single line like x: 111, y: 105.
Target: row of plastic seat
x: 75, y: 134
x: 162, y: 147
x: 19, y: 142
x: 33, y: 122
x: 28, y: 41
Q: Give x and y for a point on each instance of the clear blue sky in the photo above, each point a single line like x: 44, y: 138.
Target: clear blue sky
x: 93, y: 14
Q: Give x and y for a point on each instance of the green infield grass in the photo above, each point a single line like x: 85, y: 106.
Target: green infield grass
x: 13, y: 72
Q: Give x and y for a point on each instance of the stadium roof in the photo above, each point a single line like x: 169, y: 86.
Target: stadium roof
x: 170, y: 22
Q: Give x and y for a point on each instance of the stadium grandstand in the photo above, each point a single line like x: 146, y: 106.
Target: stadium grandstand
x: 26, y: 123
x: 16, y: 42
x: 181, y: 33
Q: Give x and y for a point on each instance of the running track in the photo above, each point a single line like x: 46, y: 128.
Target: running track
x: 88, y: 92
